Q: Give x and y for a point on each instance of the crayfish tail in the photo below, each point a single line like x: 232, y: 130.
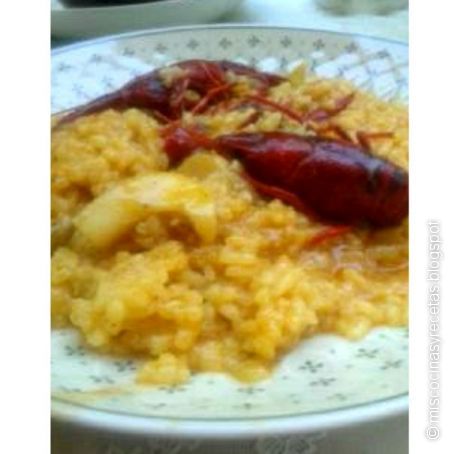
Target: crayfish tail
x: 114, y: 100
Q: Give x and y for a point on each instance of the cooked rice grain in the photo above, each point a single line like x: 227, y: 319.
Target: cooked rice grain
x: 237, y: 304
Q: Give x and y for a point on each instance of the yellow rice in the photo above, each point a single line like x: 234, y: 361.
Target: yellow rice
x: 238, y: 303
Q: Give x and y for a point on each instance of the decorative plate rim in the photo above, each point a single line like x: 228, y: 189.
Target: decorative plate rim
x: 240, y: 428
x: 84, y: 416
x: 233, y: 25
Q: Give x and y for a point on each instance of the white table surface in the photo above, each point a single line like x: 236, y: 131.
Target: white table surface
x: 305, y: 14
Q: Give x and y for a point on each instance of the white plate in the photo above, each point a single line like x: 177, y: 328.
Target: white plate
x: 328, y: 381
x: 67, y: 22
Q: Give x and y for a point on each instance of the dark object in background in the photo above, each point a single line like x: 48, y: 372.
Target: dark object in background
x: 86, y: 3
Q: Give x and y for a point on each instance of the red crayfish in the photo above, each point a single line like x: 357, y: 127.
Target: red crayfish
x: 334, y: 180
x: 167, y: 92
x: 329, y: 179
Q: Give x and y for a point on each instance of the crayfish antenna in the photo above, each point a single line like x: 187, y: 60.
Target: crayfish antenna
x: 321, y: 114
x: 364, y: 138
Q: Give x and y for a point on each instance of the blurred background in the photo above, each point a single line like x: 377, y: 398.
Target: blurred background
x: 74, y: 20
